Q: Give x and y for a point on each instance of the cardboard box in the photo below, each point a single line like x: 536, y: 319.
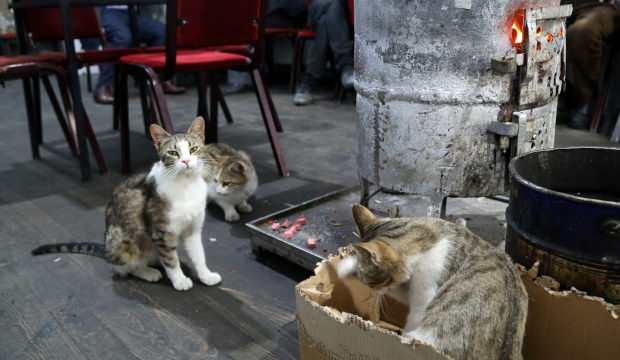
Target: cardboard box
x: 341, y: 319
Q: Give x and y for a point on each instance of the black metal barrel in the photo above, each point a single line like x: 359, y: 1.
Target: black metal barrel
x: 565, y: 213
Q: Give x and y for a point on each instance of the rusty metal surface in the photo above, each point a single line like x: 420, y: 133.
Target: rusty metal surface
x: 545, y: 70
x: 565, y: 212
x: 536, y: 127
x: 594, y: 280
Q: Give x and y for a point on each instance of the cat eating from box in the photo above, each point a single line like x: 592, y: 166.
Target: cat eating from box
x: 465, y: 296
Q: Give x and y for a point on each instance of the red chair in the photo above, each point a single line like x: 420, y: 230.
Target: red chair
x: 31, y: 69
x: 208, y: 27
x: 45, y: 24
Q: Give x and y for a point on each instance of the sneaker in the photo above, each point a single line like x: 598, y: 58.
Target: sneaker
x: 347, y: 77
x: 238, y: 82
x: 579, y: 119
x: 235, y: 88
x: 303, y: 92
x: 104, y: 95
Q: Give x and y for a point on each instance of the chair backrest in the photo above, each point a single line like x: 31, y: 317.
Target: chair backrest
x: 44, y: 24
x: 351, y: 11
x: 206, y: 23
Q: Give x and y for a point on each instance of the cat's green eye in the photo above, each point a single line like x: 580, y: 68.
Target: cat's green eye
x: 194, y: 149
x: 173, y: 153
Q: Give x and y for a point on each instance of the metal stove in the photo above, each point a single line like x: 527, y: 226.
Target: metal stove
x: 450, y: 91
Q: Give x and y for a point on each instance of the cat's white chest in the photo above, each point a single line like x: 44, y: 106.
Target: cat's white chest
x: 187, y: 205
x: 187, y: 199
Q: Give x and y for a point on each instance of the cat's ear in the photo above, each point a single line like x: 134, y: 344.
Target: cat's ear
x: 363, y: 254
x: 363, y: 218
x: 157, y: 134
x: 197, y: 128
x: 237, y: 167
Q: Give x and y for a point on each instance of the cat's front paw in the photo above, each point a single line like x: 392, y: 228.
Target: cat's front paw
x: 407, y: 337
x: 211, y: 279
x: 182, y: 283
x: 245, y: 208
x: 232, y: 216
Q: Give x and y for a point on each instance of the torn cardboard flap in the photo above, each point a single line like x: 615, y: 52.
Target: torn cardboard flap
x: 568, y: 324
x: 342, y: 319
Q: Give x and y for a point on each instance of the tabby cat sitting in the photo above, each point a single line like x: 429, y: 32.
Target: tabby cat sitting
x: 149, y: 215
x: 231, y: 179
x: 465, y: 297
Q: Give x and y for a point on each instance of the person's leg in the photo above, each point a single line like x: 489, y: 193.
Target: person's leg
x: 153, y: 33
x: 584, y: 48
x: 338, y: 35
x: 116, y: 26
x: 316, y: 53
x: 150, y: 31
x: 317, y: 48
x: 340, y: 41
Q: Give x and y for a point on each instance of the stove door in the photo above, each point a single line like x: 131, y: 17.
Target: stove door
x: 543, y: 73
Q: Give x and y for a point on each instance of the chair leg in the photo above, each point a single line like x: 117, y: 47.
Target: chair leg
x: 121, y: 94
x: 31, y: 114
x: 212, y: 128
x: 89, y: 80
x: 116, y: 110
x: 60, y: 116
x: 274, y: 112
x: 266, y: 111
x: 202, y: 82
x: 90, y: 134
x: 158, y: 98
x: 94, y: 145
x: 222, y: 101
x: 36, y: 91
x: 144, y: 103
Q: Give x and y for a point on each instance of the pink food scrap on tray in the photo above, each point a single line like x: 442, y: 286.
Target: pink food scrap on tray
x: 311, y: 242
x: 286, y: 223
x: 275, y: 226
x: 301, y: 220
x: 290, y: 233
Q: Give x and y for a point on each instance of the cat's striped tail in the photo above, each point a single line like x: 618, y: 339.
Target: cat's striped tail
x: 86, y: 248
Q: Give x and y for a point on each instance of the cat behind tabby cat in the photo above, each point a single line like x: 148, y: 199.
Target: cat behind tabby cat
x: 231, y: 179
x: 465, y: 296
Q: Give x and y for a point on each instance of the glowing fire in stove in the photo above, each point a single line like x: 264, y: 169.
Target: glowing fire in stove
x: 516, y: 30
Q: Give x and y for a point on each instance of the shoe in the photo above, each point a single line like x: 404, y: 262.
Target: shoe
x: 303, y: 92
x: 170, y: 88
x: 347, y: 77
x: 235, y: 88
x: 579, y: 119
x: 104, y: 95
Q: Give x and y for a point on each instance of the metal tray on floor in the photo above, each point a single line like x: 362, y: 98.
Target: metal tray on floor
x: 328, y: 218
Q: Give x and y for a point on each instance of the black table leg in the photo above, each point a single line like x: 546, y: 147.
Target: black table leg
x: 74, y: 86
x: 22, y: 42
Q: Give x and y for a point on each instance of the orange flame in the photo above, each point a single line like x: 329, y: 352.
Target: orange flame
x: 517, y: 34
x: 517, y: 29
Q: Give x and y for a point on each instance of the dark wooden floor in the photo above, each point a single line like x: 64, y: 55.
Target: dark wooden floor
x: 71, y: 307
